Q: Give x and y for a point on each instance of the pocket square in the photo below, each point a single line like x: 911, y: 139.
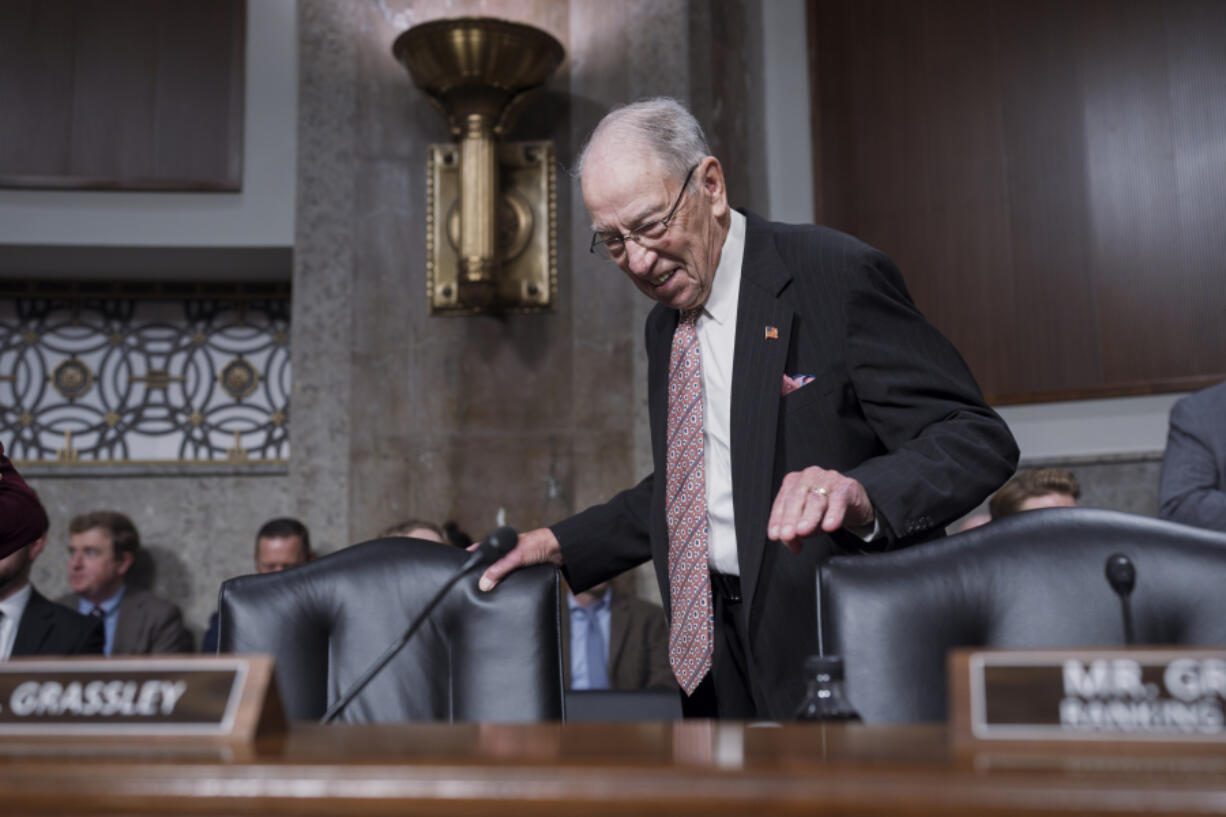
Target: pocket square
x: 791, y: 384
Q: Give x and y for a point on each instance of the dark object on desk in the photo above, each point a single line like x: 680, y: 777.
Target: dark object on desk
x: 1029, y: 580
x: 1122, y: 576
x: 622, y: 705
x: 825, y: 699
x: 479, y: 657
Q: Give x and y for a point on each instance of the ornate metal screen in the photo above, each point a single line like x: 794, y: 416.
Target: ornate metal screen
x: 148, y: 373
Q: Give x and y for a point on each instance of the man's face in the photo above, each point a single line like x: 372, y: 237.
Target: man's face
x: 275, y: 553
x: 1052, y: 500
x: 624, y: 187
x: 94, y: 573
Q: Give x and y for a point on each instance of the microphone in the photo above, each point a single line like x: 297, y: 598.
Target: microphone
x: 495, y: 545
x: 1122, y: 576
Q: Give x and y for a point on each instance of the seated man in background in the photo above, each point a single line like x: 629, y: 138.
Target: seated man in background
x: 612, y: 639
x: 30, y: 624
x: 1193, y: 488
x: 1036, y: 488
x: 280, y: 543
x: 417, y: 529
x: 102, y: 547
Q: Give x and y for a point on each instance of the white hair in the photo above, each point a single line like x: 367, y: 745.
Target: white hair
x: 663, y: 125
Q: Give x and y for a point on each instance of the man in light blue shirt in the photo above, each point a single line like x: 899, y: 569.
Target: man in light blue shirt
x: 589, y: 637
x: 107, y: 612
x: 612, y: 639
x: 102, y: 548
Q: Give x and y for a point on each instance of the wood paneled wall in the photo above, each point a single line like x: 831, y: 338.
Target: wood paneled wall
x: 122, y: 94
x: 1049, y: 174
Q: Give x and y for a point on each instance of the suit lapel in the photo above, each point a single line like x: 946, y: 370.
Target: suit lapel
x: 763, y: 332
x: 34, y: 627
x: 619, y: 627
x: 126, y: 626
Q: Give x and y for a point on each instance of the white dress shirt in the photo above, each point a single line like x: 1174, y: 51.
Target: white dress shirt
x: 11, y: 611
x: 716, y: 328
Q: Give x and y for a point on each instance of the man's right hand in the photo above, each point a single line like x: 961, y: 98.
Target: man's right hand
x: 533, y: 548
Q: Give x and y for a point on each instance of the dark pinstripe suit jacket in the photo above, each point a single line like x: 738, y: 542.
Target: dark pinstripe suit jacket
x: 892, y: 405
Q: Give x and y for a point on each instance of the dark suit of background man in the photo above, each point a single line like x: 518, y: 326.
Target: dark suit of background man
x: 102, y: 546
x: 1193, y: 489
x: 833, y: 414
x: 29, y: 623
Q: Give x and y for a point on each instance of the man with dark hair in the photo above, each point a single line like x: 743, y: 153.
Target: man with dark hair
x: 799, y: 404
x: 280, y: 544
x: 102, y: 547
x: 1036, y: 488
x: 30, y: 624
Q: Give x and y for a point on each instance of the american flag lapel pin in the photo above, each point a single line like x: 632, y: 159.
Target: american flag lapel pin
x: 772, y: 333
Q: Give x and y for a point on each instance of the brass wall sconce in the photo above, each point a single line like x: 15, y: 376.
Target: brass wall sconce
x: 492, y: 207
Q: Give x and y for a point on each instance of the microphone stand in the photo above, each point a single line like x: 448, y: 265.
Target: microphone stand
x: 1129, y: 639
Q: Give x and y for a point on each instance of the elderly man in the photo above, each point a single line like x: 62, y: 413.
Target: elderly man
x: 799, y: 403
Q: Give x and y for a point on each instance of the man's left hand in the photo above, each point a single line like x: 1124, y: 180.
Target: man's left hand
x: 815, y: 498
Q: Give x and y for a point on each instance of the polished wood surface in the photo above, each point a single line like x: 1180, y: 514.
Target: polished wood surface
x: 122, y: 94
x: 1048, y: 175
x: 630, y: 770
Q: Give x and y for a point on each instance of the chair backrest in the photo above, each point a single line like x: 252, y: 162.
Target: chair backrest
x: 479, y: 657
x: 1035, y: 579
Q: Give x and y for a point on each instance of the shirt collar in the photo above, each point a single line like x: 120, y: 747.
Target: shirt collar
x: 108, y: 607
x: 726, y: 285
x: 15, y: 605
x: 573, y: 605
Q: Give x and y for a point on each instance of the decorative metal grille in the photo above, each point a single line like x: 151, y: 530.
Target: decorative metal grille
x: 168, y: 374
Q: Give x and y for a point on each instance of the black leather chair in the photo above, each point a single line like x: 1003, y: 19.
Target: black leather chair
x: 1031, y: 580
x: 479, y: 657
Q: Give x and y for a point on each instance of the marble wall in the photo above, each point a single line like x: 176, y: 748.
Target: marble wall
x: 197, y: 528
x: 533, y: 416
x: 395, y: 413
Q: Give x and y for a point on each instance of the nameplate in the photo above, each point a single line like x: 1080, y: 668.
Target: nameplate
x: 189, y: 696
x: 1142, y: 695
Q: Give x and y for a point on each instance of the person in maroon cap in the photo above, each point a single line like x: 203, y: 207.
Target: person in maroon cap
x: 22, y: 518
x: 31, y: 624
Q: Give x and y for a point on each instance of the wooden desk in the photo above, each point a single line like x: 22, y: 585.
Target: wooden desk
x: 627, y: 770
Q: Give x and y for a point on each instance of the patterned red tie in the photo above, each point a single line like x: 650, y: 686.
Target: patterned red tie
x: 690, y: 635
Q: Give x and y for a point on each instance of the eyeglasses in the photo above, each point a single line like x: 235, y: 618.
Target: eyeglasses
x: 612, y: 247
